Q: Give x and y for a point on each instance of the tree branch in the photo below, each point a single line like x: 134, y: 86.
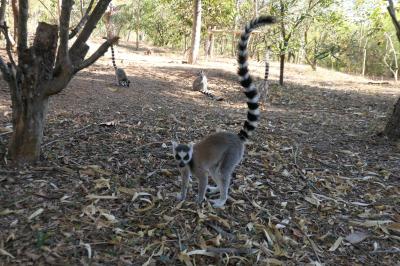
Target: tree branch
x: 395, y: 22
x: 4, y: 30
x: 82, y: 21
x: 96, y: 55
x: 22, y: 27
x: 62, y: 56
x: 90, y: 25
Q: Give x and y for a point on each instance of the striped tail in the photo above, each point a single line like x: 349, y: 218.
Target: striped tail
x: 207, y: 93
x: 246, y: 81
x: 113, y: 57
x: 266, y: 73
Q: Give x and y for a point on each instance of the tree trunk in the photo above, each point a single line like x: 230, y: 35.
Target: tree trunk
x: 39, y: 73
x: 29, y: 100
x: 195, y: 32
x: 392, y: 128
x: 282, y: 62
x: 364, y: 57
x: 14, y: 5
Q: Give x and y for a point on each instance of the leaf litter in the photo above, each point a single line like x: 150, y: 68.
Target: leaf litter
x: 316, y: 186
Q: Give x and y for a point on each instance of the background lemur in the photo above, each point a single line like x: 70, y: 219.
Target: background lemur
x: 122, y: 79
x: 264, y: 85
x: 218, y: 154
x: 200, y: 84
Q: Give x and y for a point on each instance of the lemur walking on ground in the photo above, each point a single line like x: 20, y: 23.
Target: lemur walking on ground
x: 122, y: 79
x: 219, y: 154
x: 200, y: 84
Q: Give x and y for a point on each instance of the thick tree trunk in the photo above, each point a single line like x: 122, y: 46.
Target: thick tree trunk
x: 392, y: 129
x: 29, y: 100
x: 28, y: 125
x: 195, y: 33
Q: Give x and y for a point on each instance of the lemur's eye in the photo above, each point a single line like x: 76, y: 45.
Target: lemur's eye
x: 186, y: 157
x: 177, y: 157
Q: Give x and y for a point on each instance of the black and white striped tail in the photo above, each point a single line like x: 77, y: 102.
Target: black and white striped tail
x: 113, y: 57
x: 245, y: 79
x: 211, y: 95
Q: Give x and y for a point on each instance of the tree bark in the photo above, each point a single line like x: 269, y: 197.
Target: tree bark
x: 282, y: 62
x: 195, y: 33
x: 29, y: 101
x: 392, y: 128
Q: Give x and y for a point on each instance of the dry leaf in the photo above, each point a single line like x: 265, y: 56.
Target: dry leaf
x: 395, y: 227
x: 36, y: 213
x: 336, y: 244
x: 5, y: 253
x: 102, y: 183
x: 356, y: 237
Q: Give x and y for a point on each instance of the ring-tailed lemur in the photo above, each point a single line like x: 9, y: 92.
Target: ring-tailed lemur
x: 200, y: 84
x: 219, y: 153
x: 264, y: 85
x: 122, y: 79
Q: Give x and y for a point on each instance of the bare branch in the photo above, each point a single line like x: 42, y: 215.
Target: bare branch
x: 96, y: 55
x: 90, y: 25
x: 4, y: 30
x: 22, y: 26
x: 82, y: 21
x: 63, y: 57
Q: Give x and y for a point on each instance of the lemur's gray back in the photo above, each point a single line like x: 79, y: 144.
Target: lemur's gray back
x: 200, y: 83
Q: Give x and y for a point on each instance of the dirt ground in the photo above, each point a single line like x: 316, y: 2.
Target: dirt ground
x: 317, y: 186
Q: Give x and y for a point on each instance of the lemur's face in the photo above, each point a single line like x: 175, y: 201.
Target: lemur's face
x: 182, y: 153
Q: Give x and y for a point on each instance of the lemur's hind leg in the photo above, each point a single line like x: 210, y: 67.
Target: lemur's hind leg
x: 224, y: 175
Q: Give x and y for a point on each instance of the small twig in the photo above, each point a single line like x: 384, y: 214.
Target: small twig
x: 311, y: 242
x: 148, y: 144
x: 236, y: 251
x: 391, y: 251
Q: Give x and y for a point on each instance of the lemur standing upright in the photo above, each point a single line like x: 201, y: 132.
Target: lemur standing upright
x: 219, y: 154
x: 122, y: 79
x: 200, y: 84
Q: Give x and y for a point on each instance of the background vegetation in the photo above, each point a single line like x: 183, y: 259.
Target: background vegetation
x: 337, y: 34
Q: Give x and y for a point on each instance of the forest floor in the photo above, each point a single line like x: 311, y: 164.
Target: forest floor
x: 316, y: 186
